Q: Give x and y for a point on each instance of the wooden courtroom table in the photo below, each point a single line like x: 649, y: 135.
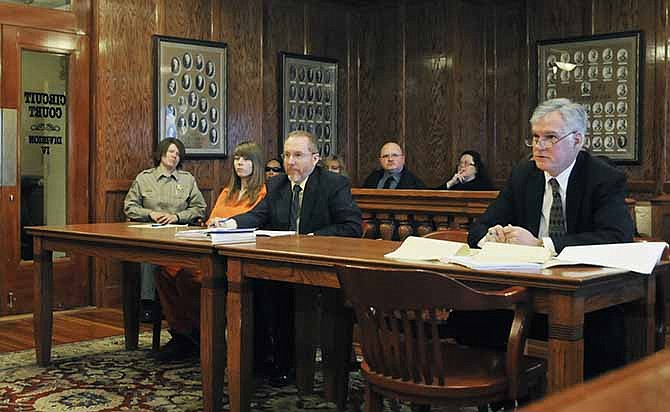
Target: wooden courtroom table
x: 565, y: 294
x: 157, y: 246
x: 640, y: 387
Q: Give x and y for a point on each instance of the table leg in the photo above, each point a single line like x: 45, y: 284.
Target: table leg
x: 566, y: 342
x: 212, y: 332
x: 662, y: 308
x: 640, y: 323
x: 305, y: 336
x: 130, y: 293
x: 240, y: 312
x: 42, y: 301
x: 337, y: 330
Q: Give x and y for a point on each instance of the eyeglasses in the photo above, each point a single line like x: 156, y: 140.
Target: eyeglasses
x: 273, y: 169
x: 297, y: 156
x: 390, y: 156
x: 547, y: 141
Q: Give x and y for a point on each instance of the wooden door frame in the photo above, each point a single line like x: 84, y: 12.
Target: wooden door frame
x: 15, y: 40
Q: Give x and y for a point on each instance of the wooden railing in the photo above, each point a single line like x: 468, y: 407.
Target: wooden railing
x: 397, y: 214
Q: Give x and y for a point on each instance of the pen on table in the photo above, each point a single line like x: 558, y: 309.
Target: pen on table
x: 219, y: 220
x: 156, y: 224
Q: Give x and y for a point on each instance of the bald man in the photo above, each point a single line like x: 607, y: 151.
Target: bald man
x: 393, y: 174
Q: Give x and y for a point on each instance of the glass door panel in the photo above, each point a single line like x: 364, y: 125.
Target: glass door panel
x: 44, y: 120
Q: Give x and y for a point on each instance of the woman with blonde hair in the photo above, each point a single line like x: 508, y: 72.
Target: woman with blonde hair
x: 179, y: 288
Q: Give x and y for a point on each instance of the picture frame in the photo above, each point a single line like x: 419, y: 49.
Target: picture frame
x: 308, y: 98
x: 190, y: 94
x: 602, y: 73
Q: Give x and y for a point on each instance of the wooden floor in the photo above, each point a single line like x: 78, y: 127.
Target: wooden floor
x: 16, y: 332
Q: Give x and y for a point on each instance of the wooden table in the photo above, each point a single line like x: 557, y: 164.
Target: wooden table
x: 565, y: 294
x: 640, y: 387
x: 157, y: 246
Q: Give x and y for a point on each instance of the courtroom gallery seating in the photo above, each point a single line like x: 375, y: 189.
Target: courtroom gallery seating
x: 405, y: 358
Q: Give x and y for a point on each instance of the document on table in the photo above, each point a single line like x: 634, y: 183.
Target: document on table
x: 418, y: 248
x: 640, y: 257
x: 218, y: 235
x: 503, y: 256
x: 274, y: 233
x: 154, y: 225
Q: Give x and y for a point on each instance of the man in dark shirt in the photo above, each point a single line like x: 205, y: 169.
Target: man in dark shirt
x: 393, y: 174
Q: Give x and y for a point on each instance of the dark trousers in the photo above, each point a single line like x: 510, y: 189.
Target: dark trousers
x: 604, y: 334
x: 274, y: 343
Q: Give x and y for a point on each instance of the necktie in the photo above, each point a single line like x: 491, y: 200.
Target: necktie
x: 387, y: 183
x: 556, y: 218
x: 295, y: 208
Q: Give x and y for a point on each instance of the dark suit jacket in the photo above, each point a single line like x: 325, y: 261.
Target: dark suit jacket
x: 327, y: 206
x: 407, y: 180
x: 596, y: 212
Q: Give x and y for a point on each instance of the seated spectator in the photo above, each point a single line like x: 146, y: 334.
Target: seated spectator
x: 393, y: 174
x: 273, y: 168
x: 470, y: 174
x: 179, y: 288
x: 334, y: 163
x: 164, y: 194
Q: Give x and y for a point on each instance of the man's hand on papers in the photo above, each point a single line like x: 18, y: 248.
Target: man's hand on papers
x: 512, y: 234
x: 496, y: 234
x: 520, y: 236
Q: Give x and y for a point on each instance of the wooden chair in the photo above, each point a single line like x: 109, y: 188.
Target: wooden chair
x: 404, y: 356
x: 454, y: 235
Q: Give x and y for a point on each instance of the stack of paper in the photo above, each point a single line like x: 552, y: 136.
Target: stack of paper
x: 218, y: 235
x: 503, y: 256
x: 640, y: 257
x: 418, y: 248
x: 275, y: 233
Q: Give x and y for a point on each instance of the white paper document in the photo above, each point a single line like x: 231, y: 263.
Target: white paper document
x: 219, y: 238
x: 418, y: 248
x: 640, y: 257
x: 274, y: 233
x: 503, y: 256
x: 218, y: 235
x: 154, y: 225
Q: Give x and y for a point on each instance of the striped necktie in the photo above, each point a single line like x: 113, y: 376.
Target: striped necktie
x: 556, y: 217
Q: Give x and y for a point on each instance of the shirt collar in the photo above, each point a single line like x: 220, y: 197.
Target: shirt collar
x: 563, y: 177
x: 395, y: 175
x: 301, y: 184
x: 163, y: 172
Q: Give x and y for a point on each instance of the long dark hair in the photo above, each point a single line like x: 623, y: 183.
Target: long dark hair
x: 250, y: 151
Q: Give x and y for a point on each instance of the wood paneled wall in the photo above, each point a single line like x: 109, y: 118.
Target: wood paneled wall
x: 439, y: 76
x: 445, y: 76
x: 255, y: 31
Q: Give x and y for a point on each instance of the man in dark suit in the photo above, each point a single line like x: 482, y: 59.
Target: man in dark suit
x: 309, y: 200
x: 562, y: 197
x: 393, y: 174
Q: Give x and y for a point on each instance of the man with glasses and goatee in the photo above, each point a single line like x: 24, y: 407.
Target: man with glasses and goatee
x: 563, y: 196
x: 309, y: 200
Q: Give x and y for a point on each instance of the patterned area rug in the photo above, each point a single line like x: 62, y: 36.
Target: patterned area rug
x: 101, y: 376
